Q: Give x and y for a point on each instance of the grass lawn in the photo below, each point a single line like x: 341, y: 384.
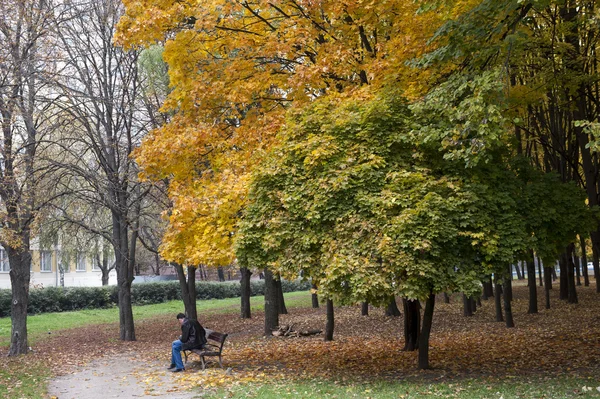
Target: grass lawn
x: 557, y: 388
x: 38, y: 326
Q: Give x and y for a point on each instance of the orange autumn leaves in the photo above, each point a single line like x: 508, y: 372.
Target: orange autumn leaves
x: 236, y: 68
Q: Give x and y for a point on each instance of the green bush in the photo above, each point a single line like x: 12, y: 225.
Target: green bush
x: 57, y: 299
x: 5, y: 298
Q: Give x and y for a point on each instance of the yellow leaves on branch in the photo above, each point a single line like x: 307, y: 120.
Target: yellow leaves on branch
x: 204, y: 219
x: 235, y: 68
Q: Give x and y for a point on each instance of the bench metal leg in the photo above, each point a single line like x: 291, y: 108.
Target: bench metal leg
x: 203, y: 363
x: 220, y: 362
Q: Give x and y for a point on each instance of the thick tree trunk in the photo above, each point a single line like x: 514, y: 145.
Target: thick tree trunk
x: 584, y: 261
x: 488, y: 288
x: 532, y: 284
x: 571, y: 288
x: 124, y: 265
x: 507, y: 286
x: 446, y: 297
x: 392, y: 308
x: 271, y: 307
x: 246, y: 292
x: 547, y: 285
x: 426, y: 332
x: 577, y: 270
x: 364, y: 308
x: 498, y: 301
x: 330, y: 321
x: 280, y: 299
x: 467, y: 306
x: 412, y: 324
x: 314, y: 297
x: 563, y: 283
x: 188, y: 290
x: 20, y: 276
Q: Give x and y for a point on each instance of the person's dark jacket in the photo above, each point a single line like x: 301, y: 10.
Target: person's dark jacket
x: 193, y: 335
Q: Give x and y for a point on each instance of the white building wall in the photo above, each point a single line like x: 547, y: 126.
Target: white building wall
x: 72, y: 279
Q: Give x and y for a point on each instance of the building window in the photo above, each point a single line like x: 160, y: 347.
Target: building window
x: 45, y: 261
x: 95, y: 264
x: 81, y: 266
x: 4, y: 265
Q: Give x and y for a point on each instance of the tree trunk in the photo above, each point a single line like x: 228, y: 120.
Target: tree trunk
x: 507, y: 299
x: 554, y: 276
x: 518, y: 270
x: 446, y: 297
x: 541, y: 274
x: 564, y: 284
x: 547, y: 285
x: 577, y: 269
x: 571, y: 288
x: 314, y: 297
x: 596, y: 261
x: 221, y: 273
x: 124, y: 265
x: 467, y: 306
x: 189, y: 301
x: 280, y: 299
x: 20, y: 275
x: 412, y: 324
x: 364, y: 308
x: 488, y: 287
x: 498, y: 301
x: 392, y: 309
x: 426, y: 332
x: 271, y: 307
x: 532, y: 284
x: 586, y: 277
x: 245, y: 292
x: 330, y: 321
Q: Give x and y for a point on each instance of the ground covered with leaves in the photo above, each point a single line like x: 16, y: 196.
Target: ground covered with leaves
x: 564, y: 340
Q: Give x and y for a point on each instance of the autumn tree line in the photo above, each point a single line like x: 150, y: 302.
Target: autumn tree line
x: 377, y: 148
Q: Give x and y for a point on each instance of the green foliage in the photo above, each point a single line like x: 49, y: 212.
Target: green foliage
x: 53, y: 299
x: 464, y: 117
x: 357, y: 201
x: 375, y: 198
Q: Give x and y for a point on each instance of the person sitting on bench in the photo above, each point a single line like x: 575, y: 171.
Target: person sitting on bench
x: 192, y: 336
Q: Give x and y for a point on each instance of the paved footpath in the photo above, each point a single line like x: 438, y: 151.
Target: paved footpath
x: 121, y: 376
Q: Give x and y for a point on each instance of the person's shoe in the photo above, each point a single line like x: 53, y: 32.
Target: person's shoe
x: 171, y: 367
x: 177, y: 370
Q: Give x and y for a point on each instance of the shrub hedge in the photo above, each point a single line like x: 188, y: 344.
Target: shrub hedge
x: 56, y: 299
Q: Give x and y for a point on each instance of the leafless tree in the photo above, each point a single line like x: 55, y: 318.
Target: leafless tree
x: 26, y: 59
x: 101, y: 98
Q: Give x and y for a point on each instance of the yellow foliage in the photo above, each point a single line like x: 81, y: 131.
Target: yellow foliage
x: 235, y: 68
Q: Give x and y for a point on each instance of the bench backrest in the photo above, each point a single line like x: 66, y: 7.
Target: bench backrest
x: 217, y: 336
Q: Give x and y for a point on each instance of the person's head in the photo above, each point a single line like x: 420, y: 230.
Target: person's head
x: 180, y: 318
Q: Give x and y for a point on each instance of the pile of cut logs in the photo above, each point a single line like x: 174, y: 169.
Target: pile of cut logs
x: 288, y: 331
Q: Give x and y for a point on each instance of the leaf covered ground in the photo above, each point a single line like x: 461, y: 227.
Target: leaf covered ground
x: 564, y: 340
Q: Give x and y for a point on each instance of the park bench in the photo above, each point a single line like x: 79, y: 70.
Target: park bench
x: 212, y: 348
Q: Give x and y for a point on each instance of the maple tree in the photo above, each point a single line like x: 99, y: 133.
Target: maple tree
x: 255, y: 60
